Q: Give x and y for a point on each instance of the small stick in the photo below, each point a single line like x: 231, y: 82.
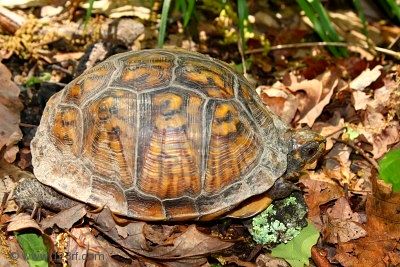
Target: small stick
x: 78, y: 241
x: 56, y: 67
x: 306, y: 45
x: 359, y: 151
x: 335, y: 132
x: 27, y: 125
x: 10, y: 21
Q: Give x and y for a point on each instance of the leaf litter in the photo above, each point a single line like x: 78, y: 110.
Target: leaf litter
x: 353, y: 101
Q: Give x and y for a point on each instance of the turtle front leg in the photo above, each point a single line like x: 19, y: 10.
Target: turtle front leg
x: 259, y: 203
x: 30, y: 193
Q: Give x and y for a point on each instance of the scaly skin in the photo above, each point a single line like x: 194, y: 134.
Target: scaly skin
x: 30, y: 193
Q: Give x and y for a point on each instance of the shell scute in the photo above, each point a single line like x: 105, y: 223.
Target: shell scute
x: 145, y: 70
x: 212, y: 80
x: 66, y: 130
x: 170, y: 165
x: 110, y: 134
x: 234, y: 147
x: 181, y: 209
x: 108, y: 193
x: 145, y: 207
x: 89, y: 83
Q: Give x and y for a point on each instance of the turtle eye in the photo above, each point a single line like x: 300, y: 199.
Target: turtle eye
x: 308, y: 151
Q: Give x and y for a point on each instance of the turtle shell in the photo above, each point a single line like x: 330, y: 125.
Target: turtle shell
x: 160, y: 135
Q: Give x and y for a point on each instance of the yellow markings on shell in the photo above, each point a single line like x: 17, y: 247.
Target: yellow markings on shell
x: 232, y: 148
x: 162, y: 122
x: 75, y: 91
x: 169, y: 101
x: 224, y: 111
x: 170, y: 166
x: 88, y: 83
x: 211, y: 79
x: 93, y: 79
x: 109, y: 135
x: 65, y: 129
x: 204, y: 77
x: 148, y: 71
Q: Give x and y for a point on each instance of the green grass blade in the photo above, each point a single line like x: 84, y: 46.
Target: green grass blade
x: 163, y: 23
x: 326, y: 25
x: 188, y: 12
x: 361, y: 14
x: 88, y: 13
x: 318, y: 16
x: 391, y: 8
x: 243, y: 15
x: 181, y: 6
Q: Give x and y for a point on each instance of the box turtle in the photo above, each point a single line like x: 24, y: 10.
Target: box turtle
x: 163, y: 135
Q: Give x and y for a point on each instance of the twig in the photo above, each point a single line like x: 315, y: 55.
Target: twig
x: 27, y: 125
x: 242, y: 53
x: 304, y: 45
x: 56, y: 67
x: 335, y: 132
x: 10, y: 21
x: 77, y: 240
x: 359, y: 151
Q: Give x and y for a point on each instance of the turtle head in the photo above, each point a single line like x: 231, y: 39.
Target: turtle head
x: 305, y: 147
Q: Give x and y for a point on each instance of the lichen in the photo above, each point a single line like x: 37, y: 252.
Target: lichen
x: 281, y: 221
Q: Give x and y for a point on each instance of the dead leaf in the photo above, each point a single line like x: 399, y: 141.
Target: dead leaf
x: 22, y: 221
x: 66, y: 218
x: 342, y: 223
x: 337, y: 164
x: 281, y: 102
x: 367, y: 77
x: 10, y: 107
x: 308, y: 93
x: 314, y: 95
x: 132, y: 233
x: 382, y: 96
x: 136, y: 239
x: 11, y: 253
x: 338, y: 156
x: 328, y: 129
x: 265, y: 260
x: 161, y: 234
x: 25, y: 158
x: 113, y: 250
x: 67, y: 56
x: 235, y: 260
x: 381, y: 244
x: 373, y: 121
x: 319, y: 190
x: 360, y: 100
x: 378, y: 132
x: 92, y: 254
x: 189, y: 244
